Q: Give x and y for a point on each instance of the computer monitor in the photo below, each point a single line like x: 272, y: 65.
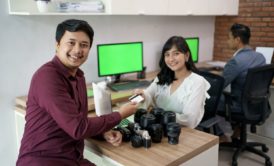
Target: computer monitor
x: 193, y: 44
x: 115, y: 59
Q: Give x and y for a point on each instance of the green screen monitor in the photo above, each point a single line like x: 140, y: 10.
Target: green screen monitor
x: 193, y: 44
x: 119, y: 58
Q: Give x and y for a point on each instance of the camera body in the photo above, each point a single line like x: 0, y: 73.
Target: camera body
x: 126, y: 133
x: 140, y: 137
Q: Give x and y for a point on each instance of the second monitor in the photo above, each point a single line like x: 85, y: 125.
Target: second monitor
x: 193, y: 44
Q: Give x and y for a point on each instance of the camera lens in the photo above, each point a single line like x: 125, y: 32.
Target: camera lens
x: 147, y: 120
x: 168, y: 117
x: 136, y: 141
x: 138, y: 114
x: 158, y: 113
x: 156, y: 132
x: 173, y: 132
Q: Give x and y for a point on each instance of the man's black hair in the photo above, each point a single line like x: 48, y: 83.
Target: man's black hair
x: 241, y: 31
x: 73, y: 25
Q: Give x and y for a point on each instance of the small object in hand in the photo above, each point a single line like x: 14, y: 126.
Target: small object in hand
x: 136, y: 98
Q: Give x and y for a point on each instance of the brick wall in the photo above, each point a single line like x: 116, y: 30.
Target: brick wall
x: 258, y: 15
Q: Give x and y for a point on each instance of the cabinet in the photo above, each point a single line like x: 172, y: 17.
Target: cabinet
x: 203, y: 7
x: 223, y: 7
x: 138, y: 7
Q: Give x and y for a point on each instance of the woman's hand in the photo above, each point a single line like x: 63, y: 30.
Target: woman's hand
x: 139, y: 92
x: 113, y: 137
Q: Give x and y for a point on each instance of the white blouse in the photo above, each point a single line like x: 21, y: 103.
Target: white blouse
x: 187, y: 101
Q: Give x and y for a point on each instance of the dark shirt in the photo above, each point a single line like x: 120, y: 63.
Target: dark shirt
x: 56, y: 118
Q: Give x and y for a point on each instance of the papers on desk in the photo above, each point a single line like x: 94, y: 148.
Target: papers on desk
x: 102, y: 100
x: 220, y: 64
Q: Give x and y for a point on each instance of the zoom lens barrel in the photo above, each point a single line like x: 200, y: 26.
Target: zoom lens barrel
x: 138, y: 114
x: 147, y: 120
x: 168, y: 117
x: 173, y: 132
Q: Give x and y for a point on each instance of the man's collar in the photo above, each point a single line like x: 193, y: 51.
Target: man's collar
x: 247, y: 47
x: 64, y: 70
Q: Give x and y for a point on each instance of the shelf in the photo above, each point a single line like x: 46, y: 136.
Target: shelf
x: 139, y: 7
x: 56, y: 13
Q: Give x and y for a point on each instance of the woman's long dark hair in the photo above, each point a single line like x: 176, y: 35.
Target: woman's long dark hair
x: 166, y: 75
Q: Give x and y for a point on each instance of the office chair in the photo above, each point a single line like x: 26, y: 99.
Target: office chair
x: 209, y: 120
x: 255, y: 110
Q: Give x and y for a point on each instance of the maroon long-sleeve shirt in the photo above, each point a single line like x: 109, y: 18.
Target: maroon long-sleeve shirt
x: 56, y: 119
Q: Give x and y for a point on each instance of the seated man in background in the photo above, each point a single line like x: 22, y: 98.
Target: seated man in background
x: 236, y: 68
x: 57, y: 108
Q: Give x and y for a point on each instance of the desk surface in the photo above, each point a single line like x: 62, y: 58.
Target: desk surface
x: 205, y: 65
x: 116, y: 97
x: 122, y: 95
x: 191, y: 143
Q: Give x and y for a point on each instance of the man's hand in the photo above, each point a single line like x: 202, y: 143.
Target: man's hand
x: 113, y: 137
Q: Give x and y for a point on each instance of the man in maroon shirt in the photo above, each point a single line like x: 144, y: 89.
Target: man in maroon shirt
x: 56, y: 117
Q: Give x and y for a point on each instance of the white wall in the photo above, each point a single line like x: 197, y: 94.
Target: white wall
x: 27, y: 42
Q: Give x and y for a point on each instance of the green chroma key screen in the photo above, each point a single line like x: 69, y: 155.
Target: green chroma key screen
x: 119, y: 58
x: 193, y: 44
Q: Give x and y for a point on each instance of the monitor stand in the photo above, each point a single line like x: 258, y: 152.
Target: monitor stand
x: 116, y: 79
x: 112, y: 79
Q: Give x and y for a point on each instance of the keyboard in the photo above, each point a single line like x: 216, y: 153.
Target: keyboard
x: 220, y: 64
x: 129, y: 85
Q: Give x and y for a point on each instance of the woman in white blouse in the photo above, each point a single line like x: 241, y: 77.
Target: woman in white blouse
x: 177, y: 87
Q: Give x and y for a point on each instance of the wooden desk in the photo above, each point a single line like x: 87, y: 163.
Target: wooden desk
x: 116, y: 97
x: 205, y: 65
x: 194, y: 148
x: 122, y: 95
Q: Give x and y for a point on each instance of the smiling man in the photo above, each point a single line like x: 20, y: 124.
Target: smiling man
x: 56, y: 116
